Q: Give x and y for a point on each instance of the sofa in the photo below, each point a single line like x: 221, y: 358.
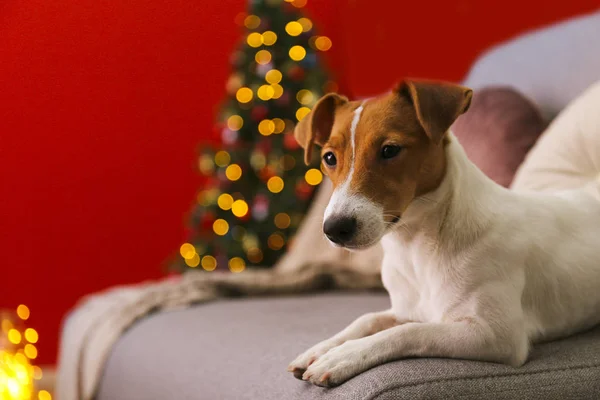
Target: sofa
x: 240, y: 348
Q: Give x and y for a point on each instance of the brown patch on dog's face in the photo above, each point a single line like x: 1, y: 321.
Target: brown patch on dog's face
x: 385, y: 152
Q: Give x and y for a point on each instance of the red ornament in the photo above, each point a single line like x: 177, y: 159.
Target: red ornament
x: 289, y: 142
x: 259, y: 113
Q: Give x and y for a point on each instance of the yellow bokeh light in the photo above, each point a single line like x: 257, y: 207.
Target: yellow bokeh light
x: 279, y: 125
x: 273, y: 76
x: 269, y: 38
x: 37, y: 373
x: 31, y: 335
x: 275, y: 184
x: 6, y: 325
x: 258, y: 160
x: 235, y: 122
x: 297, y: 53
x: 299, y: 3
x: 233, y: 172
x: 305, y: 97
x: 237, y: 264
x: 209, y: 263
x: 44, y: 395
x: 266, y: 127
x: 306, y: 24
x: 221, y: 227
x: 302, y: 112
x: 239, y: 208
x: 277, y: 90
x: 187, y: 251
x: 222, y: 158
x: 193, y: 261
x: 225, y: 201
x: 313, y: 176
x: 14, y: 336
x: 323, y: 43
x: 255, y: 255
x: 30, y: 351
x: 254, y: 39
x: 275, y: 241
x: 282, y: 221
x: 206, y: 164
x: 265, y: 92
x: 244, y: 95
x: 263, y: 57
x: 293, y: 28
x: 23, y: 312
x: 251, y: 22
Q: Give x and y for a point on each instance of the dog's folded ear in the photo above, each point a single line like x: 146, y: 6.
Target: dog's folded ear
x: 315, y: 127
x: 437, y: 104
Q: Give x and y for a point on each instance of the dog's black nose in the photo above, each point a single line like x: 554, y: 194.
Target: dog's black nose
x: 340, y: 230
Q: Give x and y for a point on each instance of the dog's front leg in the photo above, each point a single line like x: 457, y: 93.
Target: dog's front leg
x: 467, y: 339
x: 365, y: 325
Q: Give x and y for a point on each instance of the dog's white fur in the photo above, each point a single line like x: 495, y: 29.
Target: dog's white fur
x: 474, y: 271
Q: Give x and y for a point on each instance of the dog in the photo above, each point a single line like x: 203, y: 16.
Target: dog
x: 473, y: 270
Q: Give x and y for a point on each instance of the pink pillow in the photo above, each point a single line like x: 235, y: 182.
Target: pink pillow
x: 498, y: 130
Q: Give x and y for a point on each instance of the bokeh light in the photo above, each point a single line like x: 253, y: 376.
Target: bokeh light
x: 239, y: 208
x: 255, y: 255
x: 251, y: 22
x: 297, y: 53
x: 265, y: 92
x: 306, y: 24
x: 222, y: 158
x: 225, y: 201
x: 279, y: 125
x: 277, y: 90
x: 302, y: 112
x: 275, y: 241
x: 233, y: 172
x: 282, y: 221
x: 244, y: 95
x: 23, y: 312
x: 209, y: 263
x: 269, y: 38
x: 313, y: 176
x: 266, y: 127
x: 254, y: 39
x: 323, y: 43
x: 293, y: 28
x: 273, y: 76
x: 237, y: 264
x: 305, y: 97
x: 193, y: 261
x: 263, y: 57
x: 235, y: 122
x: 220, y: 227
x: 275, y: 184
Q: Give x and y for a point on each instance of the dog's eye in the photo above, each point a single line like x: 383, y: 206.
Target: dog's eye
x: 390, y: 151
x: 329, y: 159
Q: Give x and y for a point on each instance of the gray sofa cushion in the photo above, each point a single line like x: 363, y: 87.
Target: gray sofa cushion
x: 239, y: 349
x: 551, y: 65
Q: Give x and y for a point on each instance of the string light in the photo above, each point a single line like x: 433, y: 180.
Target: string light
x: 254, y: 39
x: 220, y: 227
x: 279, y: 125
x: 269, y: 38
x: 302, y: 112
x: 304, y: 96
x: 209, y: 263
x: 239, y: 208
x: 206, y: 164
x: 275, y: 184
x: 31, y: 335
x: 235, y: 122
x: 222, y: 158
x: 266, y: 127
x: 297, y: 53
x: 306, y: 24
x: 313, y: 176
x: 193, y: 261
x: 225, y: 201
x: 277, y: 90
x: 273, y: 76
x: 23, y: 312
x: 323, y: 43
x: 233, y: 172
x: 299, y: 3
x: 265, y: 92
x: 236, y: 264
x: 255, y: 255
x: 263, y: 57
x: 282, y: 221
x: 251, y: 22
x: 244, y: 95
x: 293, y: 28
x: 275, y: 241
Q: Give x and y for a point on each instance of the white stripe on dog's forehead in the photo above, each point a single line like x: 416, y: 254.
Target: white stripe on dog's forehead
x: 353, y: 126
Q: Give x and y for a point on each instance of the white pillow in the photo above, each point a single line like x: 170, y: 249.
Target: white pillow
x: 567, y: 155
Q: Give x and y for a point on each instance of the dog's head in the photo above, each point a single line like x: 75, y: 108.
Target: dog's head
x: 380, y: 154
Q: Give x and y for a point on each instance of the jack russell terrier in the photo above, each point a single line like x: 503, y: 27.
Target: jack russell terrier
x: 473, y: 270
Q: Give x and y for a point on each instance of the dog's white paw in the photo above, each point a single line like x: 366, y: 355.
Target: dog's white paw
x: 338, y: 365
x: 304, y: 360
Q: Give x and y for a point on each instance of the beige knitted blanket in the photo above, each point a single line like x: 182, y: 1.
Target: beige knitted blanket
x: 99, y: 320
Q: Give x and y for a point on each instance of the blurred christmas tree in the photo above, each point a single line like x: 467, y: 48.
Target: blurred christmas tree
x: 258, y: 186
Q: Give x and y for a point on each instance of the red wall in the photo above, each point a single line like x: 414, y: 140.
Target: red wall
x: 103, y: 102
